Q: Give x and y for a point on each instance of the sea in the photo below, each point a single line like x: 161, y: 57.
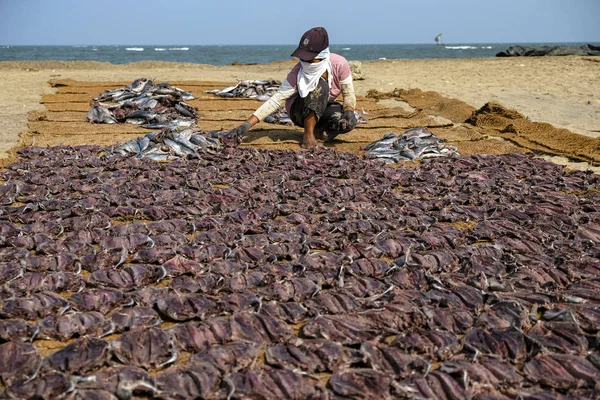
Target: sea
x: 249, y: 54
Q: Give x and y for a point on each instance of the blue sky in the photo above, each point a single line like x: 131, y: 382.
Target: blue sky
x: 160, y: 22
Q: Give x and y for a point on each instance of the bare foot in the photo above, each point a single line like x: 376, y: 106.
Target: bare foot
x: 309, y: 141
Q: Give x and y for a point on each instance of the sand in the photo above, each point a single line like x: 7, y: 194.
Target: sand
x: 557, y: 100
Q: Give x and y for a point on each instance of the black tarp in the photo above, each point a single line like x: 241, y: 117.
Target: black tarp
x: 537, y: 51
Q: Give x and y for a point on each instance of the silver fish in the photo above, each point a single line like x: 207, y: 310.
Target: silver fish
x: 101, y: 115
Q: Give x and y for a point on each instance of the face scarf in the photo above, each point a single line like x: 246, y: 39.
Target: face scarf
x: 309, y: 74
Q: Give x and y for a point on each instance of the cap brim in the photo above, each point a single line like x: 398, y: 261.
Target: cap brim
x: 304, y: 54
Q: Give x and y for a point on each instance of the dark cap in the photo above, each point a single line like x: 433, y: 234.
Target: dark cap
x: 313, y: 42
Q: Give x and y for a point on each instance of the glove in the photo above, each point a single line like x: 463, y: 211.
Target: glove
x: 350, y: 118
x: 234, y: 137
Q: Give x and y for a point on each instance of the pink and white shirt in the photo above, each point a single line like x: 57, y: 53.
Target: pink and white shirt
x: 341, y: 83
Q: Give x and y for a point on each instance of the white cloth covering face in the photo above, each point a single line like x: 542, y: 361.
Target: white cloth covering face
x: 309, y: 74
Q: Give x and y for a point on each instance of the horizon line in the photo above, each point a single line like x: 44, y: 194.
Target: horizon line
x: 281, y: 44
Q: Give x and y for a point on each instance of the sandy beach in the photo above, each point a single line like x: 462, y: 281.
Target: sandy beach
x: 561, y: 91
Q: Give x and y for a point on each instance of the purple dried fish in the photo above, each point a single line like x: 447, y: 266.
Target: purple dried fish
x: 124, y: 382
x: 562, y: 337
x: 290, y: 312
x: 205, y: 283
x: 309, y: 356
x: 179, y: 265
x: 507, y: 343
x: 46, y: 385
x: 436, y: 344
x: 35, y: 306
x: 102, y: 300
x: 562, y: 371
x: 64, y: 327
x: 149, y: 348
x: 361, y: 384
x: 84, y: 355
x: 341, y: 329
x: 271, y: 383
x: 46, y: 282
x: 194, y: 381
x: 133, y: 318
x: 18, y: 361
x: 9, y: 272
x: 229, y: 357
x: 15, y: 329
x: 183, y: 307
x: 104, y: 259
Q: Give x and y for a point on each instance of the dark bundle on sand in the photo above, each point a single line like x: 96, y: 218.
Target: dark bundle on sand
x: 538, y: 51
x: 143, y: 102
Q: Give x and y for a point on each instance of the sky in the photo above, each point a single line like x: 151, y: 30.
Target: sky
x: 224, y: 22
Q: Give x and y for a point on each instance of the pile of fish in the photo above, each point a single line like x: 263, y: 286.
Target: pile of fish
x: 414, y: 144
x: 258, y: 89
x: 144, y: 102
x: 297, y: 275
x: 279, y: 117
x: 170, y: 144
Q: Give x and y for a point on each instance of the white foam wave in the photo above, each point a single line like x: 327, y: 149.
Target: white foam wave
x: 346, y: 48
x: 487, y: 47
x: 179, y: 48
x: 134, y: 48
x: 460, y: 47
x: 159, y: 49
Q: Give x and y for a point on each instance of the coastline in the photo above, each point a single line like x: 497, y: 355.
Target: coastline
x: 562, y: 91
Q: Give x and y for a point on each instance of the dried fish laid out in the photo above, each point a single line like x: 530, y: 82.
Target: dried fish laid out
x: 170, y: 144
x: 247, y: 273
x: 252, y: 89
x: 144, y: 103
x: 414, y: 144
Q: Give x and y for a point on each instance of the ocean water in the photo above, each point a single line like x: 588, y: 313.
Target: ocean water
x: 223, y: 55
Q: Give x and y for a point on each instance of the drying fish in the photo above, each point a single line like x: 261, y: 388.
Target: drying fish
x: 18, y: 360
x: 64, y: 327
x: 144, y: 103
x: 149, y: 348
x: 200, y: 381
x: 170, y: 143
x: 272, y: 383
x: 414, y: 144
x: 258, y: 89
x: 229, y: 357
x: 44, y: 385
x: 101, y: 115
x: 82, y: 356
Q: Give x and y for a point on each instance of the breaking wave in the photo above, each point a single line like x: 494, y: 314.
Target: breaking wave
x: 461, y: 47
x: 180, y: 48
x: 159, y: 49
x: 134, y: 48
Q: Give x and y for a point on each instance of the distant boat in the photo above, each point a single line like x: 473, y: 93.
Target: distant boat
x: 438, y: 39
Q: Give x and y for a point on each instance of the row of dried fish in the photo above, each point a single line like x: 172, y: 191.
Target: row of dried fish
x: 414, y: 144
x: 368, y: 261
x: 219, y: 369
x: 144, y: 103
x: 261, y: 89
